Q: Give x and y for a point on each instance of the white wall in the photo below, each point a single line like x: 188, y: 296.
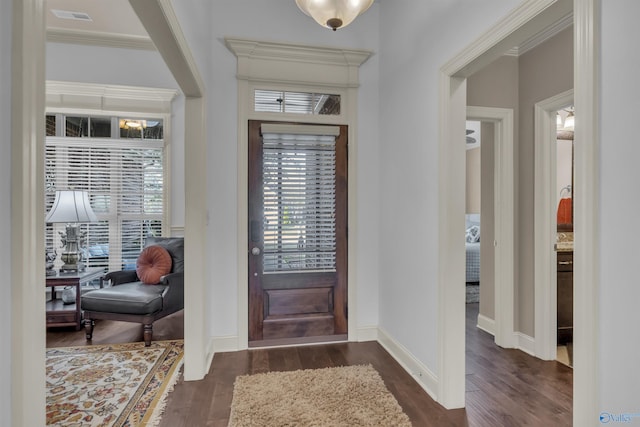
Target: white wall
x: 619, y: 207
x: 417, y: 38
x: 280, y: 21
x: 92, y: 64
x: 5, y: 207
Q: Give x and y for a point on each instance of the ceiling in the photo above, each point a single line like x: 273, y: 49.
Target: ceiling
x: 116, y: 19
x: 107, y: 16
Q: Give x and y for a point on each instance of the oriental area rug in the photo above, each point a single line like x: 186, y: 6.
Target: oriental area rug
x: 342, y: 396
x: 119, y: 385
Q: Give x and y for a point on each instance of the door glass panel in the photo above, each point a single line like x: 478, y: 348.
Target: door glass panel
x: 299, y: 203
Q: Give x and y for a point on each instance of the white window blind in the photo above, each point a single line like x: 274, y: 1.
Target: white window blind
x: 124, y: 179
x: 299, y: 183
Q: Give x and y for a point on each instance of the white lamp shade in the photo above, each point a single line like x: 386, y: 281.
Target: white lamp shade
x: 334, y: 14
x: 71, y: 206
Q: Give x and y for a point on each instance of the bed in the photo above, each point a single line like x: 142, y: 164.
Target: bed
x: 473, y: 262
x: 472, y: 243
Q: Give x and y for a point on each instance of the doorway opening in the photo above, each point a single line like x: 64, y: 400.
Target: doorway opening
x: 548, y: 229
x: 526, y: 20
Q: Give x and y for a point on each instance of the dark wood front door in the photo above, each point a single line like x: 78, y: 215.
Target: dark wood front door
x: 297, y: 244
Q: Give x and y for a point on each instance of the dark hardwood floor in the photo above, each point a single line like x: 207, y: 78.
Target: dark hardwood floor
x: 504, y: 387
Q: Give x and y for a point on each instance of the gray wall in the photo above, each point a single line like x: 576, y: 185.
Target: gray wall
x: 473, y: 180
x: 544, y: 72
x: 495, y: 86
x: 487, y: 235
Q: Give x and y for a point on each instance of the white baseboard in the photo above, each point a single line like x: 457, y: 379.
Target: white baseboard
x: 413, y: 366
x: 210, y: 354
x: 522, y: 341
x: 486, y: 324
x: 224, y: 344
x: 367, y: 333
x: 525, y: 343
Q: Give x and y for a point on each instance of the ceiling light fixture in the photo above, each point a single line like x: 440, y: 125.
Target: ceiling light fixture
x: 334, y: 14
x: 132, y: 124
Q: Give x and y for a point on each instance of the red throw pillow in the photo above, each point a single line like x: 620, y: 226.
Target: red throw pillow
x: 153, y: 263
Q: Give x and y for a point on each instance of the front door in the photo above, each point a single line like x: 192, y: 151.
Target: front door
x: 297, y: 244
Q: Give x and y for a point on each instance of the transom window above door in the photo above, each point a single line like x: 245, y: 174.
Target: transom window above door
x: 274, y: 101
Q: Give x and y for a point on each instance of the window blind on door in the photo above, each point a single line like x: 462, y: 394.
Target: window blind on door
x: 299, y: 184
x: 126, y: 189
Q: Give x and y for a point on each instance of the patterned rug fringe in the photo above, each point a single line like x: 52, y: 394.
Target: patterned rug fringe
x: 161, y: 403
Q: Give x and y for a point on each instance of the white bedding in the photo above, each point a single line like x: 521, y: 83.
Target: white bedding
x: 473, y: 262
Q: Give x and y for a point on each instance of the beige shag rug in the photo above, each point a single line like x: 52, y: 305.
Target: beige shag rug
x: 343, y: 396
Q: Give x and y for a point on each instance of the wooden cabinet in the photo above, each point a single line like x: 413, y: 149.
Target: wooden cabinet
x: 565, y: 297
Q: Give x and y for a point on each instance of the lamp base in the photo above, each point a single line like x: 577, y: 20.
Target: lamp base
x: 72, y: 263
x: 71, y: 255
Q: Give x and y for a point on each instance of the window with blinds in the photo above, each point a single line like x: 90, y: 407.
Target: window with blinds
x: 299, y: 184
x: 125, y: 181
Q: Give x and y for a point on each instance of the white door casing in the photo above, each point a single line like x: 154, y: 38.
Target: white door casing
x: 503, y: 181
x: 545, y: 223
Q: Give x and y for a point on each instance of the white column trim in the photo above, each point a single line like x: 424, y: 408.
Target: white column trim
x: 586, y: 202
x: 161, y: 22
x: 27, y: 216
x: 451, y: 271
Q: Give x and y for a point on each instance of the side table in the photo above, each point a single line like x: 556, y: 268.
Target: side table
x: 60, y: 314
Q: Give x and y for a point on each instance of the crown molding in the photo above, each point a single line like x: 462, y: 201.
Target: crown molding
x: 94, y: 38
x: 108, y: 97
x: 542, y: 36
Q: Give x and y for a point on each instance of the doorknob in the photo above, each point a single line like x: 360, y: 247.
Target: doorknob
x: 255, y: 251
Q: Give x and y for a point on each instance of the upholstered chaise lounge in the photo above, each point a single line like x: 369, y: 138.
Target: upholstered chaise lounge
x: 143, y: 295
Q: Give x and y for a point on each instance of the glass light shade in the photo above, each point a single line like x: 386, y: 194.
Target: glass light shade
x: 71, y: 206
x: 334, y: 14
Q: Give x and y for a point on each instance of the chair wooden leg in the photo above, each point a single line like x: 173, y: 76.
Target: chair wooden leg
x: 148, y: 333
x: 88, y: 328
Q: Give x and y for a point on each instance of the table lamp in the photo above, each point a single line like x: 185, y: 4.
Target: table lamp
x: 71, y: 207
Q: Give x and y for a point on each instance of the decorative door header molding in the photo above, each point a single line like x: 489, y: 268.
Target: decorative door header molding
x: 307, y: 65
